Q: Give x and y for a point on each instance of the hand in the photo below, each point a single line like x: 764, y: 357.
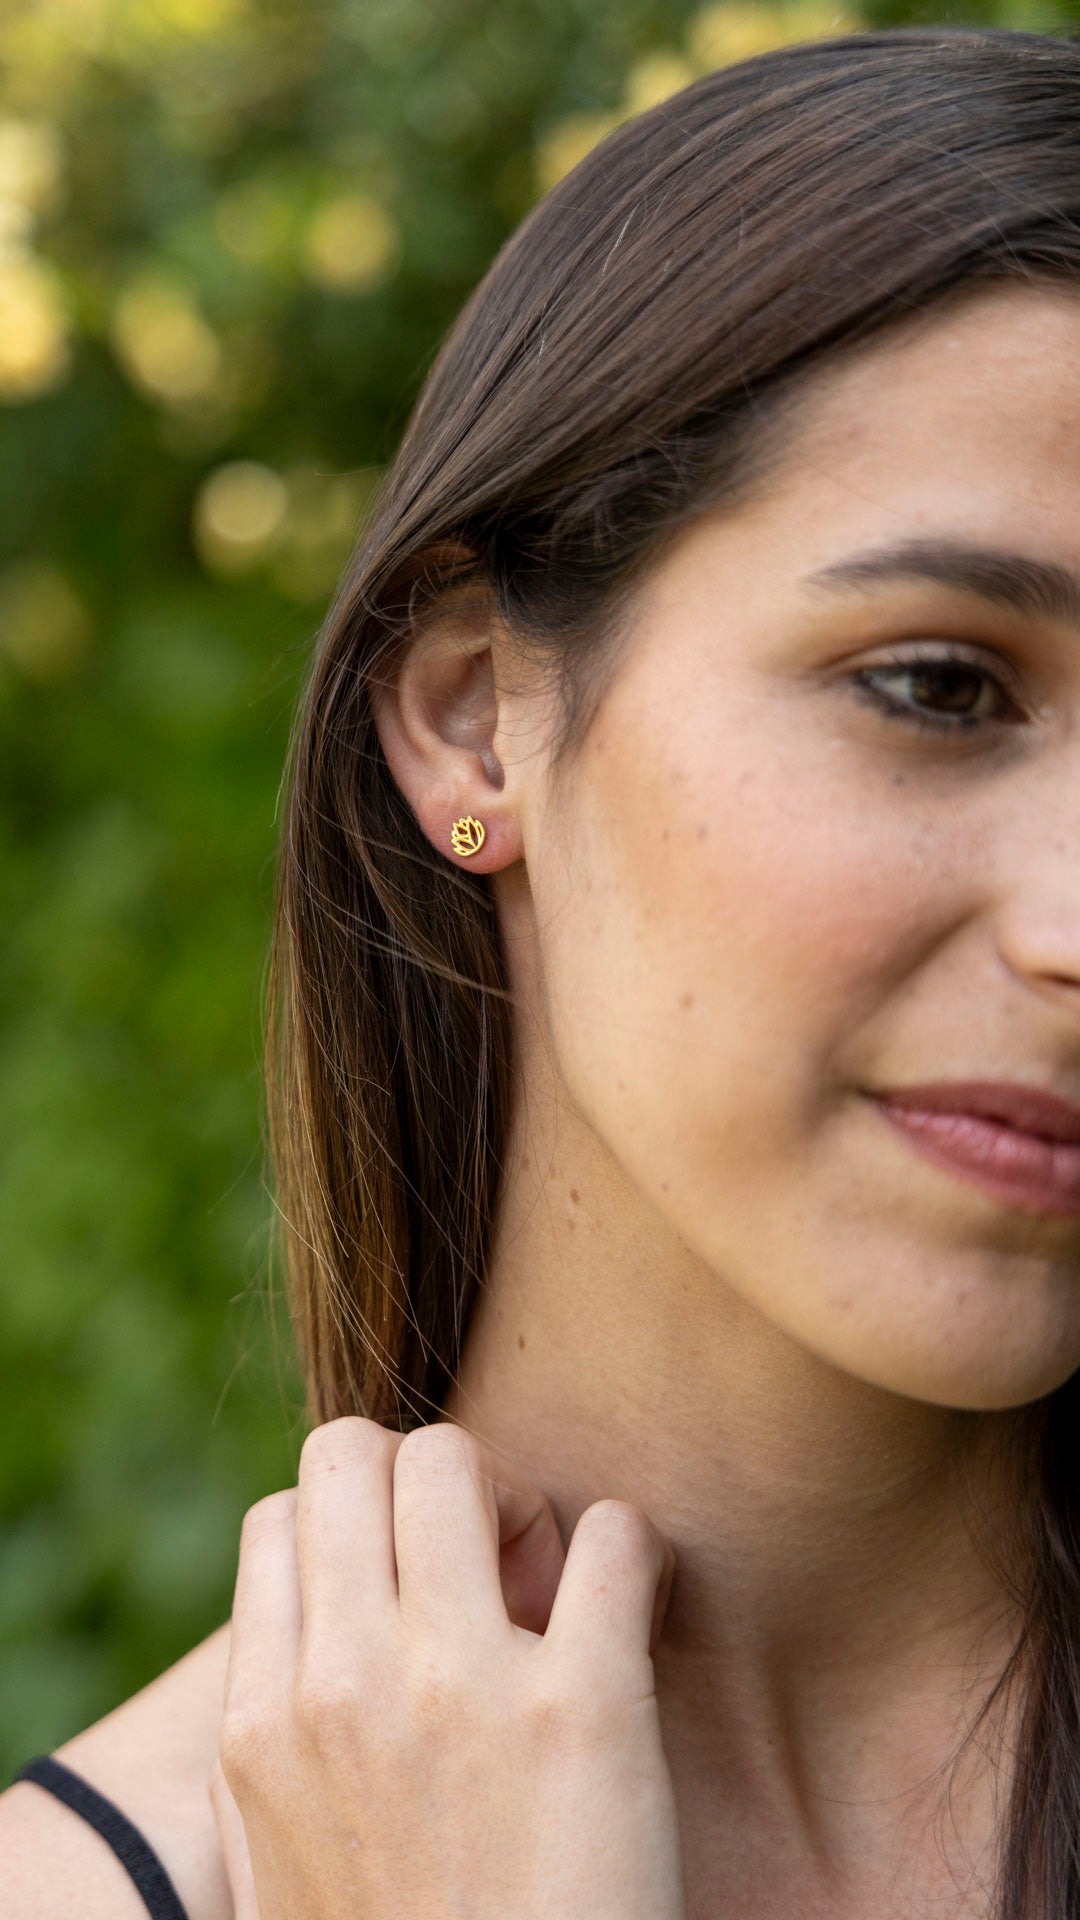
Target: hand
x: 430, y: 1709
x: 234, y: 1847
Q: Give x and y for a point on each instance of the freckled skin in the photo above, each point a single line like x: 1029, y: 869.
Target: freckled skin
x: 860, y: 907
x: 749, y: 898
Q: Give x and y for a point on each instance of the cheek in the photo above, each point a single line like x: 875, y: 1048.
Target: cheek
x: 724, y: 925
x: 732, y: 943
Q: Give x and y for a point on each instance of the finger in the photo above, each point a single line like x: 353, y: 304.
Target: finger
x: 530, y: 1566
x: 614, y: 1590
x: 234, y: 1847
x: 459, y: 1511
x: 264, y: 1637
x: 345, y: 1527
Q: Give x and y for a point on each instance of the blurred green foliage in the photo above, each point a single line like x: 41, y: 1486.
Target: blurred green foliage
x: 231, y: 237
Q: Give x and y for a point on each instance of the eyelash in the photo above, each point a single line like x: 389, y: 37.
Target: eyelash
x: 911, y: 663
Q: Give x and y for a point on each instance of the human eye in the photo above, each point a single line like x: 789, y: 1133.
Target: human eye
x: 943, y: 673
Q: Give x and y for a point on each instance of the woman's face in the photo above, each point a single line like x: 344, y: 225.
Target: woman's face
x: 758, y: 897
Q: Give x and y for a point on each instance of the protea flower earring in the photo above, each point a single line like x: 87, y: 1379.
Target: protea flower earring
x: 467, y: 835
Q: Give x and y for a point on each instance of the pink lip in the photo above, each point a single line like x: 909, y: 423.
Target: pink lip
x: 1022, y: 1169
x: 1013, y: 1103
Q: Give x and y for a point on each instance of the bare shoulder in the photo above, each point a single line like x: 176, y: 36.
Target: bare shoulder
x: 152, y: 1756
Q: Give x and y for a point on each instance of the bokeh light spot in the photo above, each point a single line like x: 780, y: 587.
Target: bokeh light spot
x: 163, y: 342
x: 238, y: 512
x: 31, y: 163
x: 45, y: 627
x: 737, y: 29
x: 656, y: 78
x: 35, y: 352
x: 566, y: 143
x: 352, y: 243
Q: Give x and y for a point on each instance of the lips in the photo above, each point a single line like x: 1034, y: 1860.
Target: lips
x: 1034, y: 1172
x: 1027, y: 1109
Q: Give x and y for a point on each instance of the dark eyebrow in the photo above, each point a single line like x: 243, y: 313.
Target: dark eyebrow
x: 1014, y: 580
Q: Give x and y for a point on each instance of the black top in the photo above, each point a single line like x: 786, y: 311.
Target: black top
x: 159, y: 1896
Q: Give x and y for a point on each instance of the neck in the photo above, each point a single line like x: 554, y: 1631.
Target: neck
x: 832, y: 1619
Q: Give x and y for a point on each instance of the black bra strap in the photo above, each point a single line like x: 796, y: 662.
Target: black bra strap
x: 133, y: 1852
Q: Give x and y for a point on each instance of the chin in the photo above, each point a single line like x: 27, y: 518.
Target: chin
x: 972, y: 1382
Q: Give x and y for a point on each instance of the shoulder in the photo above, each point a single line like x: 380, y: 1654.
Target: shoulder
x: 153, y: 1756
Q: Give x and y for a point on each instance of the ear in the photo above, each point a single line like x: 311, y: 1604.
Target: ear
x: 443, y: 725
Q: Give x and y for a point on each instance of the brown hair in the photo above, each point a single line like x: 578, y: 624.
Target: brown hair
x: 623, y: 367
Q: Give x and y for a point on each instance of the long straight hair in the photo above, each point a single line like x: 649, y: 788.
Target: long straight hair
x: 625, y: 365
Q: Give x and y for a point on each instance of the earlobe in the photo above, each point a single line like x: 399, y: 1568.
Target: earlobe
x: 436, y: 723
x: 497, y: 841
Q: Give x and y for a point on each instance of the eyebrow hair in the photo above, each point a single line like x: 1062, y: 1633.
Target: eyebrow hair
x: 1014, y: 580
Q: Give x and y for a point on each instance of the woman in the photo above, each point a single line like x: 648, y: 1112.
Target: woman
x: 682, y: 823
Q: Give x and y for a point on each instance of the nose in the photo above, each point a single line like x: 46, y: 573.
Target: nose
x: 1039, y: 926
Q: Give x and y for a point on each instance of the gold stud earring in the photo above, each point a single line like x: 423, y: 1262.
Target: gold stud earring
x: 467, y: 835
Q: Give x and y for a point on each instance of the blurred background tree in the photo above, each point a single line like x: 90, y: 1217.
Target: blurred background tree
x: 232, y: 235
